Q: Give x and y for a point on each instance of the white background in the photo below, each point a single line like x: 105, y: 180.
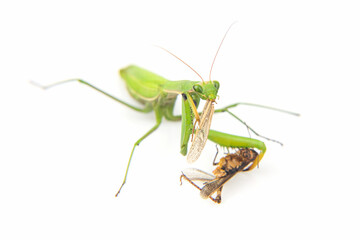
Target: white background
x: 63, y: 151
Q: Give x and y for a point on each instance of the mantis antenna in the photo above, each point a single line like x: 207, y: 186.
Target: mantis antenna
x: 181, y: 61
x: 219, y: 49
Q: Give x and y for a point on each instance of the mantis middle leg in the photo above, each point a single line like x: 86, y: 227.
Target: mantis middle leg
x: 226, y: 109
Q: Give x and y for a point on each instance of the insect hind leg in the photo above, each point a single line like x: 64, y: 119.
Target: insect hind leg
x: 146, y: 109
x: 158, y: 122
x: 216, y: 200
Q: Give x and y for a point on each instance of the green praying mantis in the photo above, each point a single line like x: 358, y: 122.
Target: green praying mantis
x: 158, y: 94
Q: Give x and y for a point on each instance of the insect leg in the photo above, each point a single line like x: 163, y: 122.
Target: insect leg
x: 169, y: 114
x: 257, y: 105
x: 226, y: 109
x: 218, y: 195
x: 193, y: 107
x: 147, y: 108
x: 158, y: 115
x: 217, y: 152
x: 192, y: 183
x: 252, y: 130
x: 246, y: 125
x: 189, y: 180
x: 187, y: 119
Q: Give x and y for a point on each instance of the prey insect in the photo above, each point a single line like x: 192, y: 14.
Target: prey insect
x: 244, y: 159
x: 158, y: 94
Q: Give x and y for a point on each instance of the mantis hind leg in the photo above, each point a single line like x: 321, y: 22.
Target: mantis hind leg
x: 147, y: 108
x: 158, y: 115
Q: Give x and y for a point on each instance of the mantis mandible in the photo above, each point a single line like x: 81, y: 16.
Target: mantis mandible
x: 158, y: 94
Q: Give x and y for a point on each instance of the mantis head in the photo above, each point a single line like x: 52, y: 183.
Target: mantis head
x: 207, y: 90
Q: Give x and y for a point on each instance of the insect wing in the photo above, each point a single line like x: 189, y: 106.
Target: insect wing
x: 202, y: 133
x: 211, y: 187
x: 195, y: 174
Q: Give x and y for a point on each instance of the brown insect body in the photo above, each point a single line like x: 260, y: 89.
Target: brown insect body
x: 227, y: 167
x: 234, y: 162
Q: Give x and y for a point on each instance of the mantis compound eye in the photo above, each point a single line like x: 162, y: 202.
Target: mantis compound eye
x: 216, y: 84
x: 197, y: 88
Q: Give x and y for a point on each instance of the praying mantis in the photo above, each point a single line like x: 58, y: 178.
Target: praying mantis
x: 158, y: 94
